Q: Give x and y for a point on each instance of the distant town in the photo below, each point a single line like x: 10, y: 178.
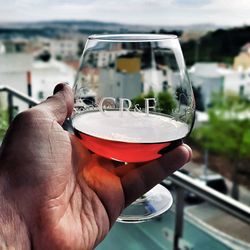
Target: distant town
x: 49, y: 53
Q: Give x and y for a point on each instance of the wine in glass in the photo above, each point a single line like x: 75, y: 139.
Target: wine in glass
x: 133, y: 102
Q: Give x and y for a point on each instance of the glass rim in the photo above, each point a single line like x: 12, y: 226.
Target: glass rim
x: 132, y: 37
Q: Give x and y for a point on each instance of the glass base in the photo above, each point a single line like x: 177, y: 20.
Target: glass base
x: 153, y: 203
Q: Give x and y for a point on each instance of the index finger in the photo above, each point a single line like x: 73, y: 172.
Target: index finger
x: 141, y: 179
x: 60, y: 105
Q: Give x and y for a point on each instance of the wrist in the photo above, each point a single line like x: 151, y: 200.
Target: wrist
x: 13, y: 230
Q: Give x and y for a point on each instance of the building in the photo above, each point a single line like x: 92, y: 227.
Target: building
x: 236, y: 82
x: 156, y: 80
x: 211, y: 78
x: 119, y: 84
x: 242, y: 61
x: 122, y: 80
x: 105, y: 58
x: 45, y: 76
x: 13, y: 73
x: 64, y: 48
x: 14, y: 70
x: 208, y: 79
x: 17, y: 45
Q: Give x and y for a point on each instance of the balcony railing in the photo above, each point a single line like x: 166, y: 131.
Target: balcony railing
x: 182, y: 183
x: 13, y: 93
x: 225, y: 203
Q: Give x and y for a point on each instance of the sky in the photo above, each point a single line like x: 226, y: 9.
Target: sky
x: 145, y: 12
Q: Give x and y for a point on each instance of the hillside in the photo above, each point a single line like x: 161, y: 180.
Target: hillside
x: 221, y: 45
x: 87, y: 27
x: 217, y: 45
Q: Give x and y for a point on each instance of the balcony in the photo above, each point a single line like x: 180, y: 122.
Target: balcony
x: 201, y: 217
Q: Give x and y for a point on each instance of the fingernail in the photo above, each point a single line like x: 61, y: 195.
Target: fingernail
x: 58, y: 88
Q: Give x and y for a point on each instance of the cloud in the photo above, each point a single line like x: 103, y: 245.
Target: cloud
x: 192, y: 3
x: 161, y: 12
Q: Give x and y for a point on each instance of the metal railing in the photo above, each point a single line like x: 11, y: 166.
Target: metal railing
x: 222, y: 201
x: 180, y: 180
x: 11, y: 93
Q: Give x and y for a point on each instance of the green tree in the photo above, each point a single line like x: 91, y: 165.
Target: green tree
x: 164, y: 101
x: 227, y: 133
x: 221, y: 45
x: 140, y: 100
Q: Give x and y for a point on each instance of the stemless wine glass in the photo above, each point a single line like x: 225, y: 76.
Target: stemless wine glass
x: 133, y: 102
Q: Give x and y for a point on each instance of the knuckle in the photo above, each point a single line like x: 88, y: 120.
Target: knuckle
x: 23, y: 116
x: 28, y: 116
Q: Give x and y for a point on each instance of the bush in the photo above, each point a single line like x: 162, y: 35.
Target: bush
x: 164, y: 101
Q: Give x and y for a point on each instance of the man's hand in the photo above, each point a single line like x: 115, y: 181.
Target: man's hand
x: 58, y: 194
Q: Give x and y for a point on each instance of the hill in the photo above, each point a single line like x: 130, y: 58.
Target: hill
x: 221, y: 45
x: 87, y: 27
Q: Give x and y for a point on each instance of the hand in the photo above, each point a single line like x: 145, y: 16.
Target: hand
x: 63, y: 196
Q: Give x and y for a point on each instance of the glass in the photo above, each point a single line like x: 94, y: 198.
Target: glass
x: 133, y: 102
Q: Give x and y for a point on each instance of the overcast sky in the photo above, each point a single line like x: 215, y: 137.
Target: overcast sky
x: 155, y: 12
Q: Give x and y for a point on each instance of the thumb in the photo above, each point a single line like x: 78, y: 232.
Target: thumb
x: 60, y: 105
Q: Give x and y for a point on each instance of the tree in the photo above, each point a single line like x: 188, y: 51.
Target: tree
x: 172, y: 32
x: 80, y: 48
x: 164, y: 101
x: 227, y: 133
x: 199, y: 100
x: 44, y: 56
x: 221, y: 45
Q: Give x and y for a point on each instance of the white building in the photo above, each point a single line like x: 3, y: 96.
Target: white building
x: 156, y: 80
x: 44, y: 76
x: 213, y: 79
x: 208, y: 78
x: 64, y: 48
x: 14, y: 68
x: 104, y: 58
x: 13, y: 73
x: 236, y: 81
